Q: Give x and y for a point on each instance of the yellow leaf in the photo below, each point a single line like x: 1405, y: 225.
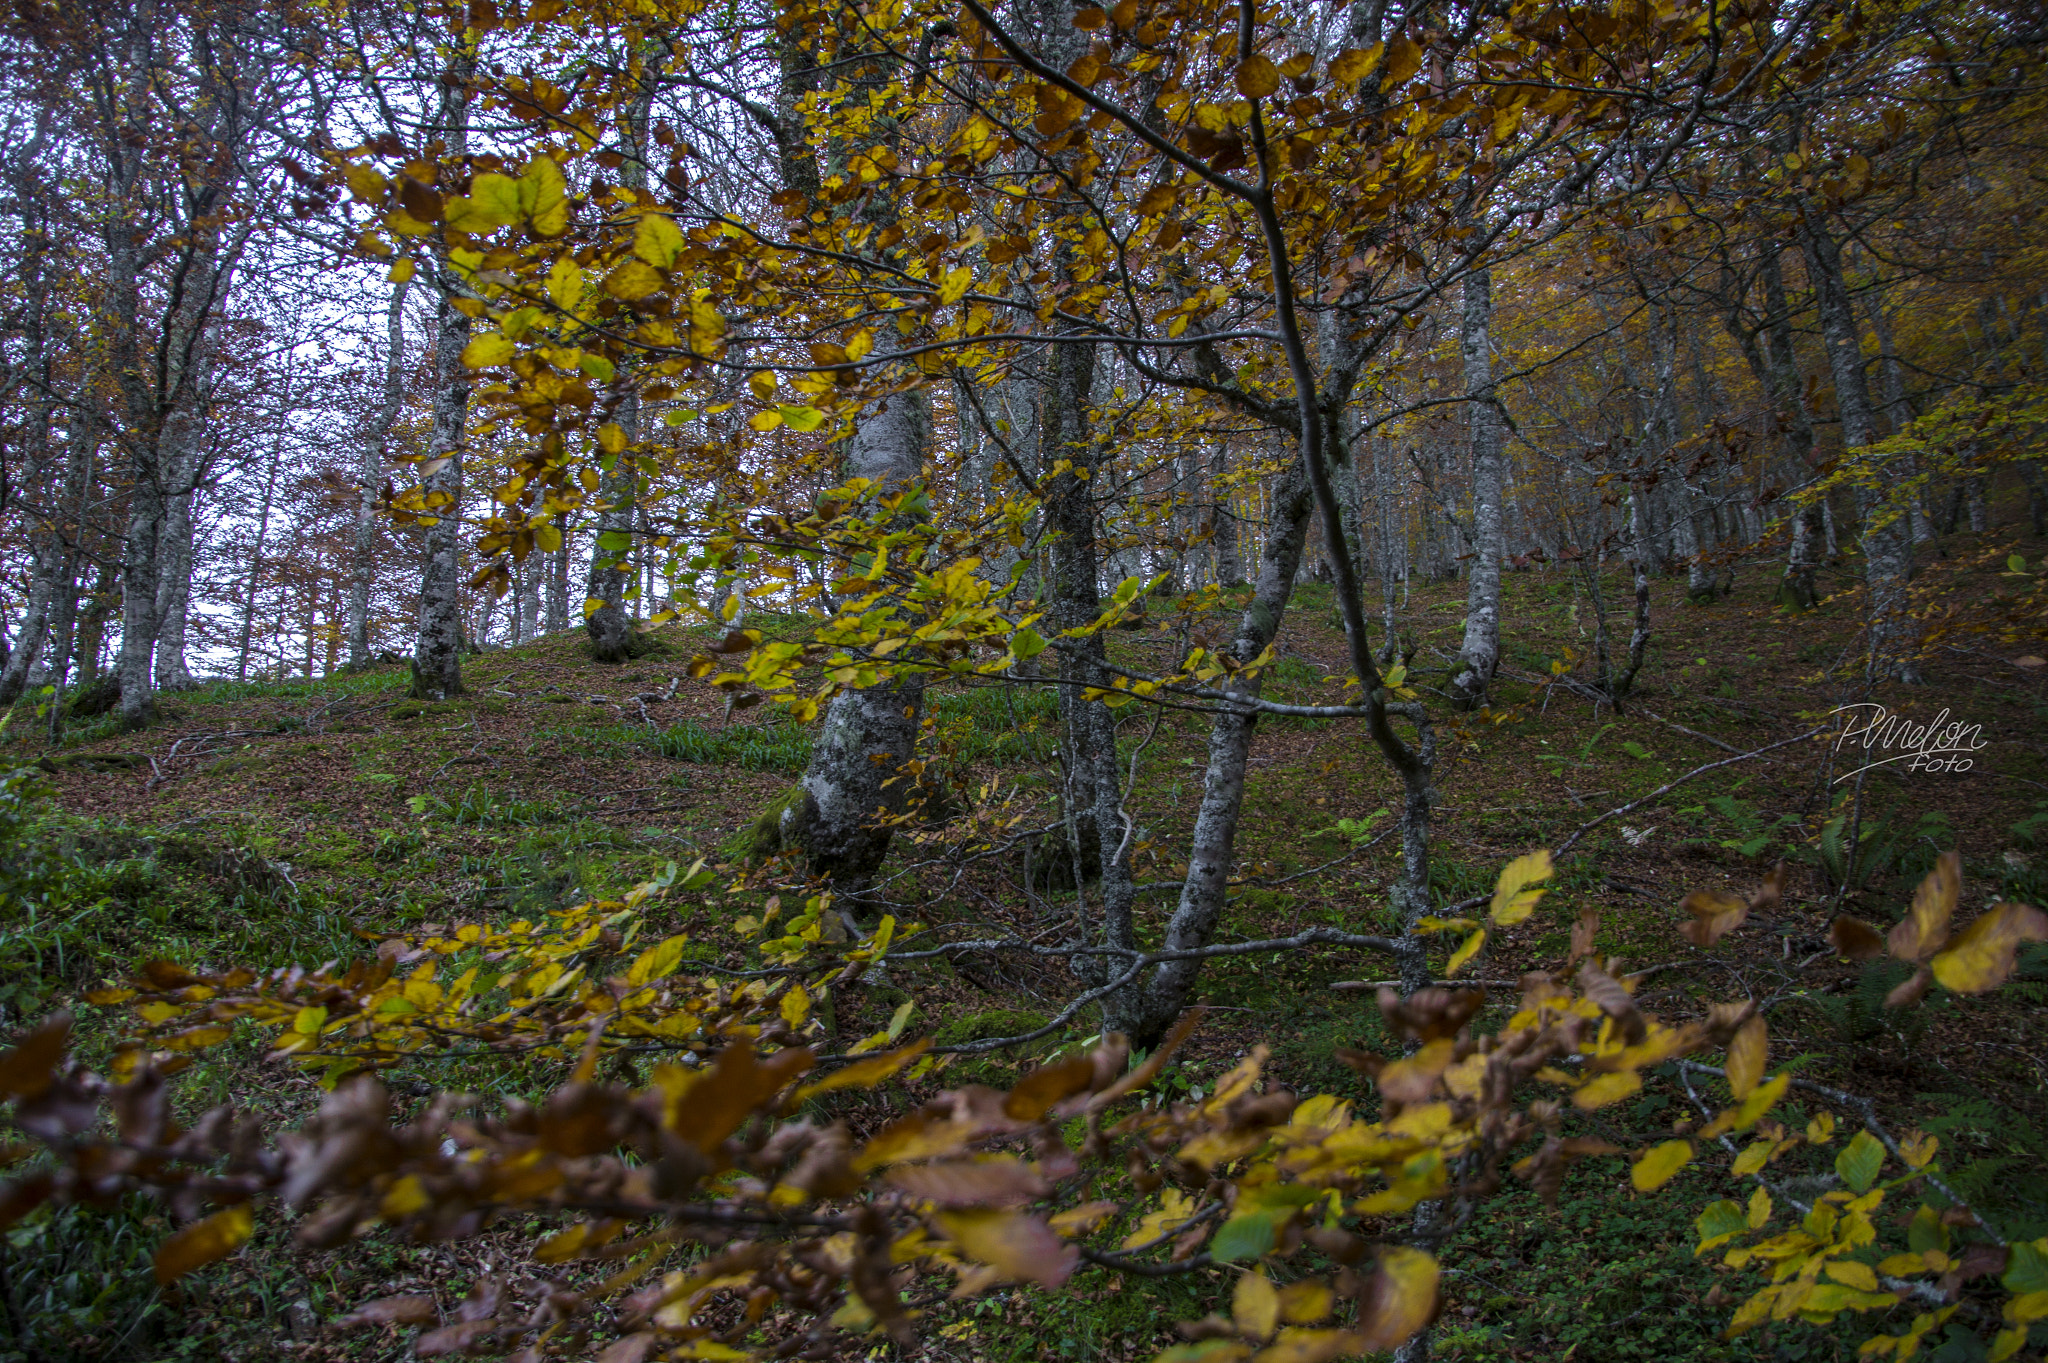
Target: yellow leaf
x: 309, y: 1021
x: 1821, y: 1129
x: 203, y: 1242
x: 547, y: 538
x: 1660, y: 1164
x: 762, y: 382
x: 796, y: 1006
x: 956, y: 284
x: 401, y: 270
x: 544, y: 195
x: 1748, y: 1056
x: 1752, y: 1159
x: 1606, y: 1088
x: 657, y: 962
x: 611, y: 438
x: 865, y: 1073
x: 657, y: 240
x: 1255, y: 1306
x: 1404, y: 59
x: 634, y: 280
x: 1981, y: 957
x: 801, y: 418
x: 765, y: 421
x: 1466, y: 952
x: 1759, y: 1208
x: 1850, y: 1273
x: 1399, y: 1300
x: 1519, y: 887
x: 492, y: 348
x: 1257, y: 77
x: 1355, y: 63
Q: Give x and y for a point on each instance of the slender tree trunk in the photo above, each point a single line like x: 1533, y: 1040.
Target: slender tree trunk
x: 1212, y: 852
x: 256, y: 558
x: 437, y: 651
x: 1480, y: 654
x: 1887, y: 543
x: 437, y: 654
x: 1229, y: 558
x: 376, y: 443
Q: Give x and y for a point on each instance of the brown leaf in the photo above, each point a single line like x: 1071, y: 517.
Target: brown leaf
x: 1856, y: 939
x: 1715, y: 913
x: 29, y: 1068
x: 1771, y: 892
x: 1149, y: 1070
x: 1583, y: 933
x: 20, y: 1198
x: 1020, y: 1245
x: 452, y: 1339
x: 1911, y: 991
x: 202, y: 1242
x: 164, y: 975
x: 419, y: 201
x: 412, y: 1309
x: 987, y: 1181
x: 631, y: 1349
x: 1611, y: 998
x: 1047, y: 1085
x: 1428, y: 1014
x: 736, y: 1085
x: 1413, y: 1079
x: 1924, y: 929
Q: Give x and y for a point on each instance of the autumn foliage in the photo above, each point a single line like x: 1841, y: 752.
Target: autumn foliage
x: 799, y: 1231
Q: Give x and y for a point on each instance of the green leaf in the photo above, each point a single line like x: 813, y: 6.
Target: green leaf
x: 802, y: 418
x: 1636, y: 750
x: 1860, y: 1161
x: 1925, y: 1232
x: 1261, y: 1211
x: 1026, y: 643
x: 2016, y: 563
x: 1721, y: 1222
x: 2027, y: 1271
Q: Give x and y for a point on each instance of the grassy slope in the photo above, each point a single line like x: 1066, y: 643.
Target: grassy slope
x: 319, y: 814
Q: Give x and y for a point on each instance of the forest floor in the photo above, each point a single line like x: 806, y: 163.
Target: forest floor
x: 271, y: 823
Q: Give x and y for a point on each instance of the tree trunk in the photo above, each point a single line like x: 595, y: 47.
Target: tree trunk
x: 1480, y: 654
x: 1229, y: 558
x: 1213, y: 851
x: 1887, y: 543
x: 174, y: 586
x: 856, y: 769
x: 363, y: 548
x: 437, y: 653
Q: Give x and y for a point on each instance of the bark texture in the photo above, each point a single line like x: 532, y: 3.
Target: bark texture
x: 1480, y: 653
x: 854, y: 778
